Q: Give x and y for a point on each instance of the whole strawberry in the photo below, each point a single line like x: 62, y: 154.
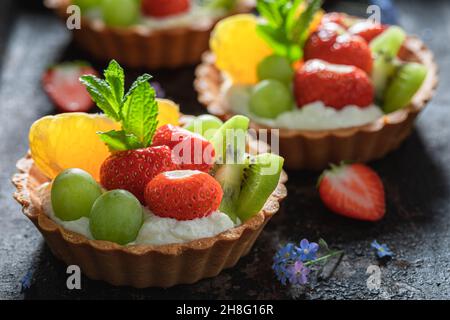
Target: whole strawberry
x: 332, y: 44
x: 335, y: 85
x: 339, y: 18
x: 354, y: 191
x: 190, y: 150
x: 183, y: 194
x: 367, y: 30
x: 61, y: 83
x: 164, y: 8
x: 131, y: 170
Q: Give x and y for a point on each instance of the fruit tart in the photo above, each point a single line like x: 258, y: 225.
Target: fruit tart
x: 147, y: 33
x: 140, y: 196
x: 335, y: 87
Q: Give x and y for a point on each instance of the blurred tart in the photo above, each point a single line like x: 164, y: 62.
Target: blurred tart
x: 350, y: 89
x: 147, y: 33
x: 127, y: 206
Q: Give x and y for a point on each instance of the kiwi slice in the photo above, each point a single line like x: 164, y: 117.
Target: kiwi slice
x: 230, y: 177
x: 229, y: 140
x: 389, y: 42
x: 205, y: 125
x: 403, y: 86
x: 384, y: 49
x: 260, y: 179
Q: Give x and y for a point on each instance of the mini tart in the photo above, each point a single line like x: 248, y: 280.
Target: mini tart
x: 139, y: 46
x: 304, y: 149
x: 141, y: 266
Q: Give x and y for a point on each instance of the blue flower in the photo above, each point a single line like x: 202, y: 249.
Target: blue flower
x: 25, y: 282
x: 382, y: 250
x: 287, y: 253
x: 308, y: 251
x: 298, y: 273
x: 281, y: 272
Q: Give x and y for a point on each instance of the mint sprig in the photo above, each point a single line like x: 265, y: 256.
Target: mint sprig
x: 283, y: 28
x: 137, y: 110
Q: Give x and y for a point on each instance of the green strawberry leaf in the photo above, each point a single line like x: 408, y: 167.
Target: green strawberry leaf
x: 140, y: 112
x: 119, y: 140
x: 115, y: 77
x: 100, y: 92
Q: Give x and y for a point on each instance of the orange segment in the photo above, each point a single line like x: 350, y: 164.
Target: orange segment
x: 238, y: 48
x: 69, y: 140
x: 168, y: 112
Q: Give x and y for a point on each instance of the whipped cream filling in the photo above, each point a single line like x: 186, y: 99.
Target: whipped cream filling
x: 314, y: 116
x: 155, y: 230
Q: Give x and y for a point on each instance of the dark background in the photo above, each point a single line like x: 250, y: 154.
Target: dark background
x: 416, y: 178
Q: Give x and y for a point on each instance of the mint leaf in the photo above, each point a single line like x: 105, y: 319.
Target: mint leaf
x: 101, y: 94
x: 119, y: 140
x: 141, y: 79
x: 301, y: 27
x: 139, y: 112
x: 115, y: 77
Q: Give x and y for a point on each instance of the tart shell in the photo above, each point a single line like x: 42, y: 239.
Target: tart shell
x: 140, y: 47
x: 303, y: 149
x: 141, y: 266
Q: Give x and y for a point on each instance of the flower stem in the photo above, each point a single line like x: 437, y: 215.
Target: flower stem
x: 332, y: 254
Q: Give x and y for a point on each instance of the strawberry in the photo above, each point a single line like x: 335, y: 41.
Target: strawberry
x: 133, y: 169
x: 354, y: 191
x: 367, y: 30
x: 200, y: 151
x: 335, y: 85
x: 163, y: 8
x: 183, y: 194
x: 61, y: 83
x: 332, y: 44
x: 339, y: 18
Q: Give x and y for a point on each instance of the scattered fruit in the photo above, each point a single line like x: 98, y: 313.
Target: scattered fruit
x: 238, y: 48
x: 277, y: 68
x: 183, y: 194
x: 403, y: 86
x: 131, y: 170
x: 270, y: 98
x: 261, y: 178
x: 164, y: 8
x: 205, y: 125
x: 354, y: 191
x: 116, y: 216
x: 120, y: 13
x: 367, y: 29
x: 200, y: 152
x: 329, y: 44
x: 336, y: 86
x: 73, y: 194
x: 61, y: 84
x: 69, y: 140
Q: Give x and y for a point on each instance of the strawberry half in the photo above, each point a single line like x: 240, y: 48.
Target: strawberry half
x: 354, y: 191
x: 133, y: 169
x: 164, y: 8
x: 183, y: 194
x: 339, y: 18
x: 335, y: 85
x: 368, y: 30
x: 61, y: 83
x: 332, y: 44
x: 190, y: 150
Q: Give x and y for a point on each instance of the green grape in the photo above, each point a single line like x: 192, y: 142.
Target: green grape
x: 206, y: 125
x: 120, y: 13
x: 73, y: 193
x: 275, y: 67
x: 116, y: 216
x: 270, y: 98
x: 86, y: 4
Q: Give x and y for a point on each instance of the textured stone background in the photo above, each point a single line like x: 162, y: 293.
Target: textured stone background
x: 417, y: 180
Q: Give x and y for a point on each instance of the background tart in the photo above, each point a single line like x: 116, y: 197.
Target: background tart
x: 305, y: 149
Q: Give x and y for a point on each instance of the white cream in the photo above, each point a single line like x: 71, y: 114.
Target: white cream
x: 314, y: 116
x: 155, y: 230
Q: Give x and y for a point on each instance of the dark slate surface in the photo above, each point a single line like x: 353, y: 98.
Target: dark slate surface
x: 417, y: 180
